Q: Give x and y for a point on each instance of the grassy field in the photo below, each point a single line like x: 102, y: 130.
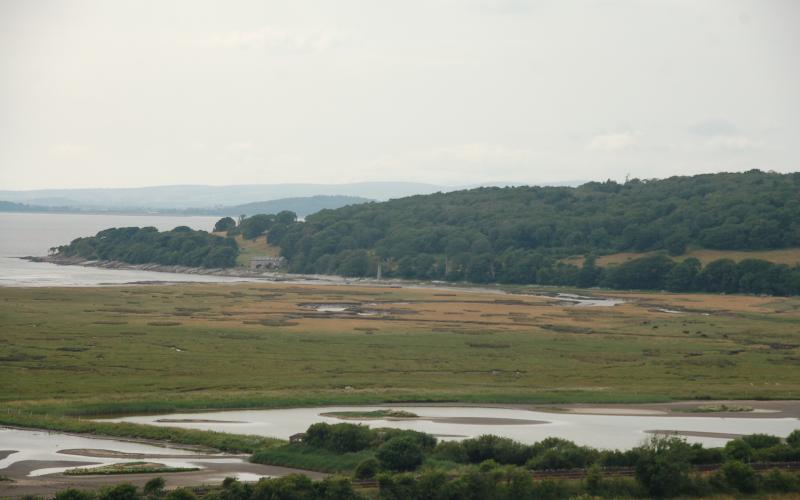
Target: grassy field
x: 252, y: 248
x: 159, y: 348
x: 788, y: 256
x: 128, y: 468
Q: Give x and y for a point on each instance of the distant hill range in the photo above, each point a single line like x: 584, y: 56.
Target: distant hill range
x: 206, y: 197
x: 302, y: 206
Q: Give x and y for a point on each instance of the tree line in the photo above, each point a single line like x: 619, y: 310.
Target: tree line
x: 408, y: 465
x: 523, y: 234
x: 180, y: 246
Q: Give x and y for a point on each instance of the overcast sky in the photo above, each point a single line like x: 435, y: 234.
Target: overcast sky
x: 136, y: 93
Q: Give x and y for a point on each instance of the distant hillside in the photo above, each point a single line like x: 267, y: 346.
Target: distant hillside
x: 185, y: 197
x: 8, y: 206
x: 301, y: 206
x: 520, y: 234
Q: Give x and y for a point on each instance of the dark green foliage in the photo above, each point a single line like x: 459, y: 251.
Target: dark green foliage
x: 341, y: 438
x: 367, y: 469
x: 451, y: 451
x: 704, y: 456
x: 123, y: 491
x: 662, y: 470
x: 793, y: 439
x: 663, y: 466
x: 759, y: 441
x: 253, y: 227
x: 224, y: 224
x: 740, y: 476
x: 519, y: 235
x: 299, y: 487
x: 402, y: 453
x: 232, y: 489
x: 777, y: 481
x: 683, y: 276
x: 554, y: 453
x: 738, y: 449
x: 181, y: 246
x: 501, y: 450
x: 74, y: 494
x: 181, y: 494
x: 425, y: 441
x: 648, y: 273
x: 154, y: 486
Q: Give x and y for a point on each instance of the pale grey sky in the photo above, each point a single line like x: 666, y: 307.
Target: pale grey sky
x: 132, y: 93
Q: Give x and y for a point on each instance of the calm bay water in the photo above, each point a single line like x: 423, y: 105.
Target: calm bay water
x: 33, y: 234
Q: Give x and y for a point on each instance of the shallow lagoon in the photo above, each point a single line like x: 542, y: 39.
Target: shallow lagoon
x: 48, y: 448
x: 601, y: 431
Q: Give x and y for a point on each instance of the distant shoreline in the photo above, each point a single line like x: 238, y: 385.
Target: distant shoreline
x: 233, y: 272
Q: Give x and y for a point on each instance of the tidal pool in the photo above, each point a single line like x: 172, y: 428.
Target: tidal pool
x: 44, y: 452
x: 601, y: 431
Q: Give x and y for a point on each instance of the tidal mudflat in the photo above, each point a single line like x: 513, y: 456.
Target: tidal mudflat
x: 35, y: 462
x: 601, y: 431
x: 35, y: 452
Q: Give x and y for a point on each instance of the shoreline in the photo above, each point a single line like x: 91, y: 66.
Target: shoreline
x: 233, y: 272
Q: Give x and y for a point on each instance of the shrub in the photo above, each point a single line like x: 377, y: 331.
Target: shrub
x: 738, y: 449
x: 549, y: 489
x: 426, y: 441
x: 400, y: 454
x: 777, y: 453
x: 341, y: 438
x: 123, y: 491
x: 451, y: 451
x: 617, y: 458
x: 367, y: 469
x: 224, y: 224
x: 566, y: 455
x: 501, y: 450
x: 700, y: 455
x: 74, y: 494
x: 235, y: 490
x: 334, y: 488
x: 594, y: 479
x: 740, y: 476
x: 181, y: 494
x: 793, y: 439
x: 759, y: 441
x: 397, y: 486
x: 663, y: 468
x: 778, y: 481
x: 289, y: 487
x: 488, y: 465
x: 154, y: 486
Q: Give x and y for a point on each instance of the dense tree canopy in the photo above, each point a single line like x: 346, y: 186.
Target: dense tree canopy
x: 181, y: 246
x: 520, y: 234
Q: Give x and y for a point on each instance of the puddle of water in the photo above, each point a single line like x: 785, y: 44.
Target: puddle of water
x: 334, y: 309
x: 245, y: 477
x: 600, y: 431
x: 583, y: 301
